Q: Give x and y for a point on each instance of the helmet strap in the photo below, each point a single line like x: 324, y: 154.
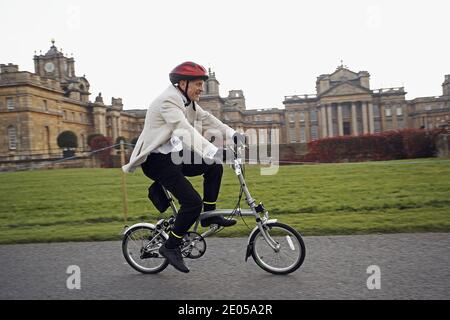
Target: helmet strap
x: 188, y: 102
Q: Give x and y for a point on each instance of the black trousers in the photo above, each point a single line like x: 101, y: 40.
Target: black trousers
x: 160, y: 167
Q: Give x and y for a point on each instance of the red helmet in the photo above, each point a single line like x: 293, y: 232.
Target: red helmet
x: 188, y: 71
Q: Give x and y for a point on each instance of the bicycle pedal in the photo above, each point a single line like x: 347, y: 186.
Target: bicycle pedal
x: 147, y: 255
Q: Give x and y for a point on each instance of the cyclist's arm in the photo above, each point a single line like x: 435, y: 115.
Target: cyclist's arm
x: 211, y: 122
x: 174, y: 116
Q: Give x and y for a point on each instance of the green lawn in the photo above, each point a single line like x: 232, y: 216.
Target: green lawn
x: 372, y: 197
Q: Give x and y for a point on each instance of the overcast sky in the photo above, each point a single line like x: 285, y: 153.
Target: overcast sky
x: 269, y: 49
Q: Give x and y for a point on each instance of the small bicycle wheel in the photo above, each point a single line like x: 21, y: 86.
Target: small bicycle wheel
x: 140, y: 247
x: 289, y: 255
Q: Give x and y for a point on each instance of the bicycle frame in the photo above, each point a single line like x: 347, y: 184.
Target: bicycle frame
x: 255, y: 210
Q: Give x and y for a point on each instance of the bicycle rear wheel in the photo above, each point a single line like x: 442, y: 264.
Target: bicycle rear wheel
x: 140, y: 247
x: 285, y: 259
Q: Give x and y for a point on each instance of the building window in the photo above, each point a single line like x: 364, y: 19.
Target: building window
x: 346, y: 128
x: 73, y: 116
x: 376, y: 111
x: 45, y: 105
x: 400, y: 123
x: 314, y: 133
x: 388, y: 112
x: 313, y: 115
x: 12, y: 138
x: 302, y: 117
x: 388, y: 124
x: 302, y: 134
x: 65, y: 115
x: 9, y: 103
x: 257, y: 118
x: 399, y: 111
x: 427, y: 108
x: 291, y: 117
x: 377, y: 124
x: 292, y: 134
x: 346, y: 111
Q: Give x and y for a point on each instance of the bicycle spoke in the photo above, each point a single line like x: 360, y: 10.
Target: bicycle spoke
x: 288, y: 255
x: 139, y: 240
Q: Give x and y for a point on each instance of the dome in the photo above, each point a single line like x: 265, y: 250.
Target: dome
x: 53, y: 51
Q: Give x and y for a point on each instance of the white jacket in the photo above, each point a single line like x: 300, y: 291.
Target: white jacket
x: 168, y: 116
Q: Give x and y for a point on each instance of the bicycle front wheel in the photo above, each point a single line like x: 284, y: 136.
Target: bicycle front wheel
x: 140, y: 247
x: 289, y: 254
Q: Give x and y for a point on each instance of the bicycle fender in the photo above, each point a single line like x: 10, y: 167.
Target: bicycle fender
x: 250, y: 244
x: 141, y: 224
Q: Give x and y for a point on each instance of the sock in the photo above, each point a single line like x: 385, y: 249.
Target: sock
x: 209, y: 206
x: 173, y: 241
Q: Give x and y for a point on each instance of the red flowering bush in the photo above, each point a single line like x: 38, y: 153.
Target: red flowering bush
x: 390, y: 145
x: 98, y: 143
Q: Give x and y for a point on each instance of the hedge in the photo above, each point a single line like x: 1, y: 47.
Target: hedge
x: 389, y: 145
x: 100, y: 142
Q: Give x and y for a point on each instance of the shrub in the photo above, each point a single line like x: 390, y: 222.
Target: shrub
x: 92, y: 136
x: 420, y: 143
x: 100, y: 142
x: 118, y: 142
x: 67, y: 139
x: 389, y: 145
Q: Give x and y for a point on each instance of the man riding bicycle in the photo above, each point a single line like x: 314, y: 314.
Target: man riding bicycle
x: 169, y: 119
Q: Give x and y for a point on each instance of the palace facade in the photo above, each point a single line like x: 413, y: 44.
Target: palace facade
x: 36, y: 107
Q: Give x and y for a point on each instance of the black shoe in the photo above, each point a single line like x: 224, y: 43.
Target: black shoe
x: 221, y: 221
x: 174, y: 257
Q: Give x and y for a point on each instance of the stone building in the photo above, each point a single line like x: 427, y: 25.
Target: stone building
x: 344, y: 104
x: 36, y: 107
x: 262, y: 125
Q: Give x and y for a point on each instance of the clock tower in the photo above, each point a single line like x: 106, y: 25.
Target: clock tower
x: 56, y: 66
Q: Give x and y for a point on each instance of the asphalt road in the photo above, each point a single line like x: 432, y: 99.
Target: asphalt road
x: 412, y: 266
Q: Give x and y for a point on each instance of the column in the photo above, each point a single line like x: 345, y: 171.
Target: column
x: 114, y: 127
x: 340, y: 121
x: 99, y: 119
x: 354, y: 120
x: 371, y: 120
x: 364, y: 116
x: 323, y: 116
x: 383, y: 117
x: 330, y: 120
x: 119, y: 127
